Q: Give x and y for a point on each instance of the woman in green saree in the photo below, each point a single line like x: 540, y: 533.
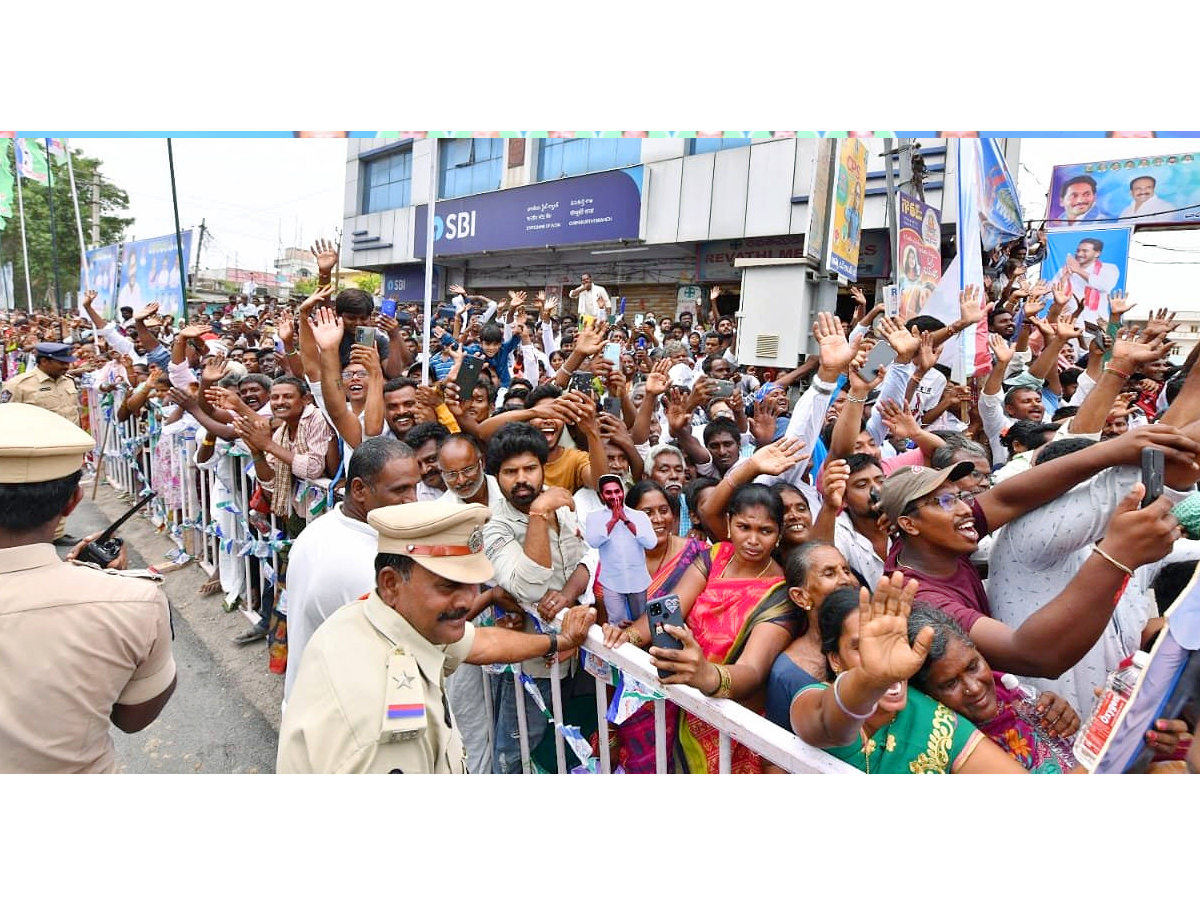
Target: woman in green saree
x: 867, y: 716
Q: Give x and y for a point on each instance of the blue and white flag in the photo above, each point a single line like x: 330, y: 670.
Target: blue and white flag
x: 1000, y: 217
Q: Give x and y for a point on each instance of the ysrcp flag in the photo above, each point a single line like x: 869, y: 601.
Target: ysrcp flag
x: 6, y: 183
x: 31, y: 160
x: 56, y: 146
x: 999, y: 208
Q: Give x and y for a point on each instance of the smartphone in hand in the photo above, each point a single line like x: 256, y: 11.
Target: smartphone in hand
x: 1153, y: 464
x: 660, y: 612
x: 364, y: 335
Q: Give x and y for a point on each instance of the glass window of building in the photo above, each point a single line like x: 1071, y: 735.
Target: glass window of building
x: 712, y: 145
x: 470, y: 166
x: 559, y: 157
x: 387, y: 181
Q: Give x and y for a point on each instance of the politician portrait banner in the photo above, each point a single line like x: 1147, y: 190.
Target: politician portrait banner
x: 850, y: 182
x: 920, y: 242
x: 102, y: 275
x: 1095, y: 260
x: 150, y: 274
x: 1139, y: 191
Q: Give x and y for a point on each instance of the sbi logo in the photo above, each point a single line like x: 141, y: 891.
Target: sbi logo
x: 455, y: 225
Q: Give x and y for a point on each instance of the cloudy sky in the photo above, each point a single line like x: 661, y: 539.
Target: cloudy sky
x: 253, y: 193
x: 256, y: 194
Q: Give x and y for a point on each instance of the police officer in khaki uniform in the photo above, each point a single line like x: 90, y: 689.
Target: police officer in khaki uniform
x: 47, y: 384
x: 80, y: 648
x: 370, y: 693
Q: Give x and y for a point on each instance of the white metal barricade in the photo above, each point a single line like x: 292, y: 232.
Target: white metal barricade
x: 733, y: 721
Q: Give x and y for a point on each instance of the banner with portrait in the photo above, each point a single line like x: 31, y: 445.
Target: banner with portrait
x: 920, y: 259
x: 150, y: 274
x: 1140, y: 191
x: 102, y: 276
x: 845, y: 227
x: 1095, y: 260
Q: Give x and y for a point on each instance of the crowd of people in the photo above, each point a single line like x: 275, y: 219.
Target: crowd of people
x: 860, y: 554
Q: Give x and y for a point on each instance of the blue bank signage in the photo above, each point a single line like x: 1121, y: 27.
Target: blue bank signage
x: 606, y: 206
x: 405, y: 283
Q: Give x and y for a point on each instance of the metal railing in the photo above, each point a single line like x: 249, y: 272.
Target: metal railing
x: 253, y: 543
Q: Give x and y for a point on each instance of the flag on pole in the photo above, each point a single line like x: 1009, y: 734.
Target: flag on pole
x: 31, y: 160
x: 57, y: 147
x: 6, y: 184
x: 1001, y: 219
x: 967, y: 353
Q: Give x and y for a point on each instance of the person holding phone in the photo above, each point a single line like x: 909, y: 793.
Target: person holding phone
x: 739, y: 619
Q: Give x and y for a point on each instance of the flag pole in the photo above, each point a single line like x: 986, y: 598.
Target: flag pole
x: 433, y: 187
x: 178, y: 235
x: 58, y: 298
x: 83, y: 260
x: 24, y: 243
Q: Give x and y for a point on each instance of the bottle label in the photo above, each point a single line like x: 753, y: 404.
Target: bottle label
x: 1101, y: 726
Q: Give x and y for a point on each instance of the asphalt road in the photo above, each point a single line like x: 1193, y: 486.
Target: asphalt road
x: 209, y: 724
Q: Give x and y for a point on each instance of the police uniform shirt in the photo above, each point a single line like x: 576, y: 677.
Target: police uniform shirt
x: 73, y: 641
x: 334, y: 717
x: 37, y: 388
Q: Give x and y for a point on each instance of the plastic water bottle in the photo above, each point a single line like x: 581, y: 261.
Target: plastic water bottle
x: 1117, y: 691
x: 1026, y: 709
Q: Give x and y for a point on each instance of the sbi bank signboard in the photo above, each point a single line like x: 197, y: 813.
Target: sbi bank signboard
x: 606, y: 206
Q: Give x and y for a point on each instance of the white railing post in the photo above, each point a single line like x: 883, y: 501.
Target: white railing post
x: 602, y: 723
x: 556, y: 707
x: 522, y: 724
x: 660, y: 737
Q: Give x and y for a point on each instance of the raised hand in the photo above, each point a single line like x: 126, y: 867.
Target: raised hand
x: 714, y: 292
x: 182, y: 398
x: 764, y: 422
x: 833, y: 482
x: 1160, y: 323
x: 326, y: 254
x: 1118, y: 302
x: 970, y: 305
x: 657, y: 381
x: 589, y: 340
x: 458, y: 289
x: 835, y: 351
x: 327, y: 329
x: 899, y: 421
x: 367, y: 357
x: 1066, y: 329
x: 192, y: 331
x: 1062, y: 293
x: 1136, y: 537
x: 89, y: 298
x: 905, y: 343
x: 145, y: 312
x: 927, y: 355
x: 223, y: 398
x: 1001, y: 349
x: 779, y: 457
x: 286, y: 326
x: 885, y: 655
x: 310, y: 302
x: 214, y: 369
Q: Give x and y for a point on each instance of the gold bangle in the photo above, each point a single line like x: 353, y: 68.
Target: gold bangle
x: 724, y: 685
x: 545, y: 517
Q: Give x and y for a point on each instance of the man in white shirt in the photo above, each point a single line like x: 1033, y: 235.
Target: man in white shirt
x: 593, y: 299
x: 1091, y: 279
x: 1145, y: 203
x: 332, y: 562
x: 622, y: 535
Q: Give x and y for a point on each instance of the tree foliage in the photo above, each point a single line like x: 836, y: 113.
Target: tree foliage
x: 113, y: 202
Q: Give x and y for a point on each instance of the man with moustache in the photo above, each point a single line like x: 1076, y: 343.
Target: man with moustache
x: 370, y: 693
x: 381, y: 473
x: 668, y: 469
x: 537, y: 548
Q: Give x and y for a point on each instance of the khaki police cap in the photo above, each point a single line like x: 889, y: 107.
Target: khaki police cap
x: 38, y: 445
x: 445, y: 538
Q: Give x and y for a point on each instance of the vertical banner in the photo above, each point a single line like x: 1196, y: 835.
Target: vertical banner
x: 150, y: 274
x: 8, y: 300
x: 845, y: 226
x: 1095, y: 260
x: 920, y: 241
x: 102, y: 270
